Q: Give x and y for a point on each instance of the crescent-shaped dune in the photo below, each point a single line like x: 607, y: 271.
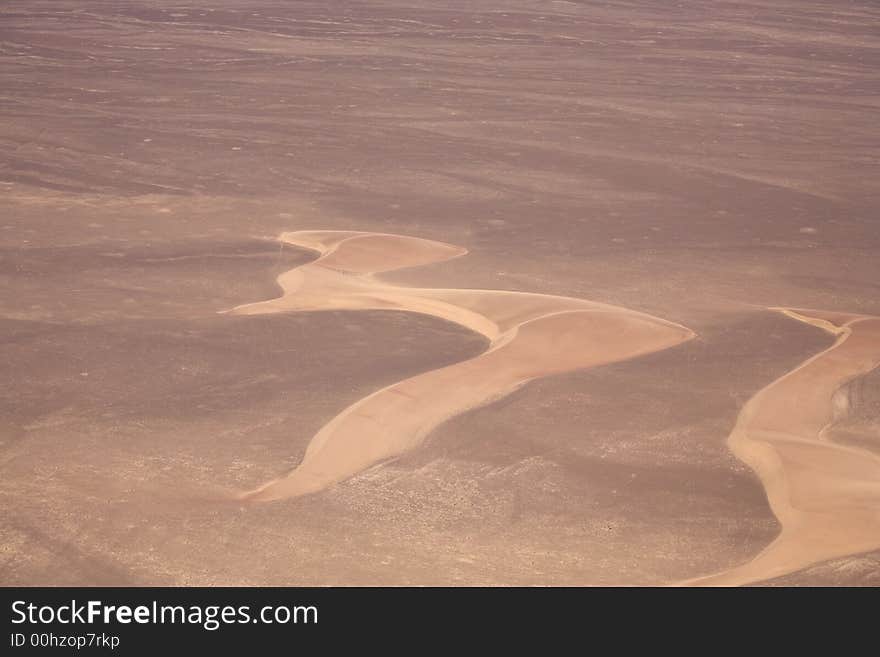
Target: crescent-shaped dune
x: 825, y: 495
x: 530, y: 336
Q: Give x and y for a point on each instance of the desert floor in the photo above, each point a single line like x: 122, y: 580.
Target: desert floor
x: 693, y: 185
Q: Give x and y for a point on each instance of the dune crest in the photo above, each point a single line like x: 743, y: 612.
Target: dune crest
x: 825, y: 495
x: 530, y: 336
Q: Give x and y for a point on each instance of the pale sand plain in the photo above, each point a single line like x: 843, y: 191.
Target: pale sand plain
x: 702, y: 163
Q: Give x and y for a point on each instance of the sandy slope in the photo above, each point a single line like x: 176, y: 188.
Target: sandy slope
x: 825, y: 495
x: 530, y: 336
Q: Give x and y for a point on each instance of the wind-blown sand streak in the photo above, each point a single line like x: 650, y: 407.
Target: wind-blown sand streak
x: 825, y: 495
x: 530, y: 336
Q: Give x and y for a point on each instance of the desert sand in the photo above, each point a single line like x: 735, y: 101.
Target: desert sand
x: 530, y: 336
x: 566, y: 293
x: 825, y: 495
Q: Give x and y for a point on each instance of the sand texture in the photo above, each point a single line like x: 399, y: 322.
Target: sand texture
x: 826, y: 495
x: 529, y: 336
x: 405, y: 292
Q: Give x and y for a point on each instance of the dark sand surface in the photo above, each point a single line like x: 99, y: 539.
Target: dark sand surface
x: 698, y: 162
x: 861, y: 570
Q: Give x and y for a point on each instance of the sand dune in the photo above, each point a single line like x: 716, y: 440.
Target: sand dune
x: 825, y: 495
x: 530, y: 336
x: 699, y: 161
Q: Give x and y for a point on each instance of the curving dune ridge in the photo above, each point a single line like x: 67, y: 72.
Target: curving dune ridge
x: 530, y: 336
x: 825, y: 495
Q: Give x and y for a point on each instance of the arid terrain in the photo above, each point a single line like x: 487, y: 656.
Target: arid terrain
x: 396, y: 292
